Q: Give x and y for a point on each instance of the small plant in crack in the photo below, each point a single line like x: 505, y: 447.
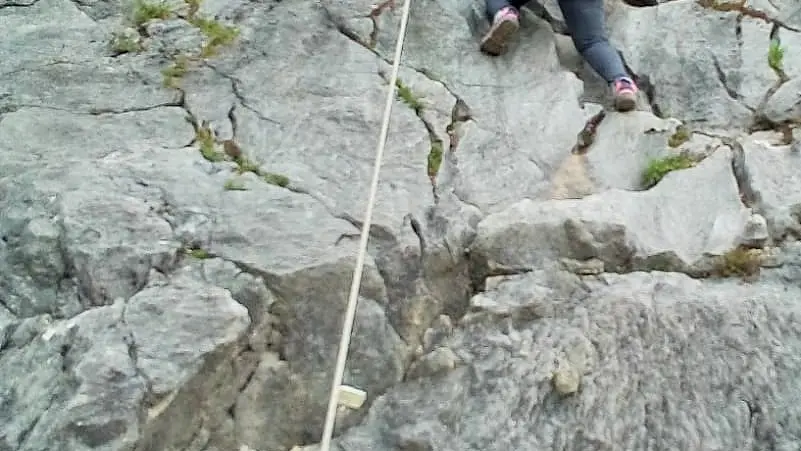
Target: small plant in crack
x: 658, y: 169
x: 738, y: 262
x: 408, y: 97
x: 145, y: 11
x: 275, y: 179
x: 680, y: 136
x: 244, y: 164
x: 434, y: 159
x: 122, y: 43
x: 198, y: 253
x: 204, y: 138
x: 174, y: 73
x: 217, y: 35
x: 234, y: 185
x: 776, y: 57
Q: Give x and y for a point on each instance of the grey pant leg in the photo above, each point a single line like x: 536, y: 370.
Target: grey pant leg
x: 586, y: 22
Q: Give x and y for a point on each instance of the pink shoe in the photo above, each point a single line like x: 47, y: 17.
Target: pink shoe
x: 504, y: 25
x: 625, y: 94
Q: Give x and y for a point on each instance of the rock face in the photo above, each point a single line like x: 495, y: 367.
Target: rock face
x: 183, y: 184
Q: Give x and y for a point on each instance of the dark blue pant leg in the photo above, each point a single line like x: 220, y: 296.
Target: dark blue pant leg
x: 586, y: 22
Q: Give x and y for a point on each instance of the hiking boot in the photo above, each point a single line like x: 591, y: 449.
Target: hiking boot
x: 625, y: 93
x: 504, y: 25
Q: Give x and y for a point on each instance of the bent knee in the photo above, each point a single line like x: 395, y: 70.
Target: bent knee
x: 584, y: 43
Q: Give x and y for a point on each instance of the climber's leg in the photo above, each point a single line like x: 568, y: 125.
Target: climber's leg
x: 585, y: 20
x: 504, y: 19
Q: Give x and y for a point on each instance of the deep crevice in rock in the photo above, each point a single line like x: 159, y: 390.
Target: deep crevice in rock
x: 741, y: 7
x: 18, y: 4
x: 731, y: 92
x: 749, y: 196
x: 148, y: 398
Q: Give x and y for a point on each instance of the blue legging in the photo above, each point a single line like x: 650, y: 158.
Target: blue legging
x: 585, y: 20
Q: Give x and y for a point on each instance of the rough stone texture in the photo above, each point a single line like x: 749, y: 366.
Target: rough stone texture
x: 709, y: 67
x: 723, y: 351
x: 671, y: 226
x: 530, y: 294
x: 775, y: 178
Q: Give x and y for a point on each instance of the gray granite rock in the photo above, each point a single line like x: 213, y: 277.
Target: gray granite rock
x: 180, y: 213
x: 709, y: 67
x: 670, y: 227
x: 664, y: 361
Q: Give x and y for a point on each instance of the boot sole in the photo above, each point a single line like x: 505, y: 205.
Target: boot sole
x: 495, y: 43
x: 624, y: 104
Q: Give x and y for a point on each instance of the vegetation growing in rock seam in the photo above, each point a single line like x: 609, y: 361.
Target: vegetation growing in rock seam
x: 145, y: 11
x: 679, y: 137
x: 244, y: 164
x: 658, y: 169
x: 200, y: 254
x: 738, y: 262
x: 436, y: 149
x: 174, y: 73
x: 434, y: 159
x: 204, y: 138
x: 776, y: 59
x: 776, y: 55
x: 121, y: 43
x: 407, y: 96
x: 208, y: 146
x: 234, y: 185
x: 216, y: 35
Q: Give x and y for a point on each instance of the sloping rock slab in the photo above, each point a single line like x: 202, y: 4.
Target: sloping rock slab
x: 670, y: 226
x: 624, y: 146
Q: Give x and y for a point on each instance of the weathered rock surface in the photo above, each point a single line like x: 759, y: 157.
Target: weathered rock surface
x: 180, y: 208
x: 664, y: 362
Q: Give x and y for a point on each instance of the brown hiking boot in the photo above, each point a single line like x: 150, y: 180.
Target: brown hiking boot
x: 625, y: 94
x: 504, y: 25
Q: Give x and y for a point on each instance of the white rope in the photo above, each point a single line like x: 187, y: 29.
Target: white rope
x: 350, y: 314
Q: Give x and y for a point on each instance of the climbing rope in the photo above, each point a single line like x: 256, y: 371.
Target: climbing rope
x: 350, y: 313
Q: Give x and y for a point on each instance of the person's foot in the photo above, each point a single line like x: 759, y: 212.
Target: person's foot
x: 625, y: 93
x: 504, y: 25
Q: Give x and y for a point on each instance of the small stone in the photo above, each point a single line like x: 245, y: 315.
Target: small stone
x: 566, y: 380
x: 232, y: 149
x: 755, y: 233
x: 437, y: 361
